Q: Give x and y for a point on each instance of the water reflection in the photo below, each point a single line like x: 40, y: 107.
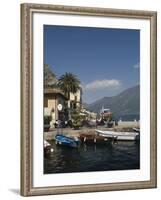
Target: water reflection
x: 93, y: 157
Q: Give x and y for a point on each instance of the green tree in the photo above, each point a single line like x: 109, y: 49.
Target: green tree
x: 47, y: 119
x: 76, y: 119
x: 69, y: 83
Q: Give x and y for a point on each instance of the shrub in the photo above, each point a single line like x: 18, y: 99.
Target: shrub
x: 47, y: 119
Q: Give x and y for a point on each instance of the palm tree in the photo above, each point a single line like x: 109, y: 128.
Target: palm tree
x: 69, y: 83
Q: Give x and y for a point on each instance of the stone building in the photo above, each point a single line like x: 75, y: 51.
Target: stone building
x: 75, y: 100
x: 52, y: 98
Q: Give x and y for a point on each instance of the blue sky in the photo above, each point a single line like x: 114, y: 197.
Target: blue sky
x: 105, y: 60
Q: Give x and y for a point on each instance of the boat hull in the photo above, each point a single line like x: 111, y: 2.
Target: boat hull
x: 66, y: 141
x: 129, y: 136
x: 89, y: 138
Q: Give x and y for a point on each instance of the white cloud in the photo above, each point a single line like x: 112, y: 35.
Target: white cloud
x: 136, y: 66
x: 100, y: 84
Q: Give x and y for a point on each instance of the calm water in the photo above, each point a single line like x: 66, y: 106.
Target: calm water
x: 99, y: 157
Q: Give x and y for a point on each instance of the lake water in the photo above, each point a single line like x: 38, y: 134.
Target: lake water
x: 120, y: 155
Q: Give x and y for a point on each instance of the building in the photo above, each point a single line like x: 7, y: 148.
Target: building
x: 129, y: 124
x: 75, y: 100
x: 88, y: 114
x: 52, y: 98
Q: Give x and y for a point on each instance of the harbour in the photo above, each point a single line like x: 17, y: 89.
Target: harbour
x: 50, y: 135
x: 78, y: 136
x: 94, y: 152
x: 120, y: 155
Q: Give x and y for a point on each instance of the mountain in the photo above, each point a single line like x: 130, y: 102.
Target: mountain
x: 49, y: 77
x: 85, y: 104
x: 125, y: 105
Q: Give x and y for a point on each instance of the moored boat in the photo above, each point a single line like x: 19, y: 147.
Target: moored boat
x: 61, y: 139
x: 129, y: 136
x: 91, y: 138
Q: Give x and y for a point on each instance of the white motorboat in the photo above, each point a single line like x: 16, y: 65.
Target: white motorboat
x: 130, y: 136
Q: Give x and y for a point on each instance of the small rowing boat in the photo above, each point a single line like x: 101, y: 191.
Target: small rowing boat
x: 67, y: 141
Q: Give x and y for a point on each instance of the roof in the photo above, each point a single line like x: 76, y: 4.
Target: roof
x: 54, y: 91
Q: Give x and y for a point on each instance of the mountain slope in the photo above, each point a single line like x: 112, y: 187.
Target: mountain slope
x: 49, y: 77
x: 125, y: 105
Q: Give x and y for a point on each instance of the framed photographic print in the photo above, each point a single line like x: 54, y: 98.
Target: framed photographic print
x: 88, y: 99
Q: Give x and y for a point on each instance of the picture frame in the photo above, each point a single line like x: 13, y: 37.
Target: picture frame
x: 28, y: 94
